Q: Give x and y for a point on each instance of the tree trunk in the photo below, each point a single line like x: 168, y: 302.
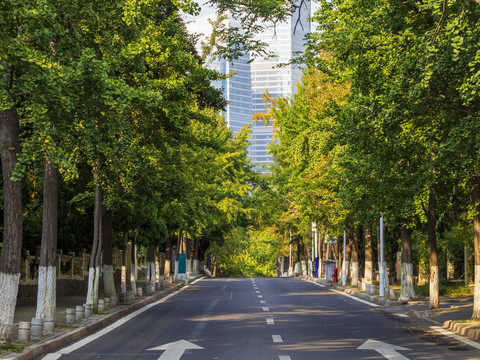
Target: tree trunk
x: 407, y: 291
x: 123, y: 276
x: 368, y: 275
x: 432, y: 250
x: 348, y: 256
x: 47, y: 270
x: 95, y: 258
x: 195, y: 268
x: 157, y: 267
x: 168, y: 257
x: 133, y: 265
x: 355, y: 265
x: 151, y: 265
x: 108, y: 270
x: 476, y: 242
x: 11, y: 257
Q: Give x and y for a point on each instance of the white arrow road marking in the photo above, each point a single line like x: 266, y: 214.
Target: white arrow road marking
x: 175, y: 350
x: 388, y: 351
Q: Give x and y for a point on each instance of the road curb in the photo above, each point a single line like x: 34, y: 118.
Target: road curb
x: 359, y: 294
x: 451, y: 325
x: 63, y: 339
x: 461, y: 329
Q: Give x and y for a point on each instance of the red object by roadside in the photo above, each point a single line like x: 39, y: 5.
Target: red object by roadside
x: 335, y: 275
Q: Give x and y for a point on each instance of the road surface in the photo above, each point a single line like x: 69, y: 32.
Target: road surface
x: 264, y: 319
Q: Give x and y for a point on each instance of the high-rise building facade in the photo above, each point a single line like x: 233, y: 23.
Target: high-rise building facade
x: 285, y: 41
x: 237, y: 89
x: 244, y: 90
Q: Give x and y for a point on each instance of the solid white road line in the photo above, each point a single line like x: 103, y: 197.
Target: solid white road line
x: 402, y: 315
x: 203, y: 277
x: 313, y: 282
x: 455, y: 336
x: 106, y: 330
x: 355, y: 298
x: 277, y: 339
x: 270, y: 321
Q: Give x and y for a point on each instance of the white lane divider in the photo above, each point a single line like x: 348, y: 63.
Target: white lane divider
x: 355, y: 298
x: 270, y: 321
x: 257, y: 292
x: 260, y: 296
x: 277, y: 339
x: 455, y: 336
x: 262, y: 301
x: 402, y: 315
x: 106, y: 330
x: 266, y: 309
x: 284, y: 357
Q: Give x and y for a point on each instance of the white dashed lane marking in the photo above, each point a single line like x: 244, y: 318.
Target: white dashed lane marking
x: 270, y: 321
x: 277, y: 339
x: 266, y: 309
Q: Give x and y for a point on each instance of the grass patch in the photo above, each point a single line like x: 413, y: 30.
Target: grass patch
x: 12, y: 348
x: 448, y: 289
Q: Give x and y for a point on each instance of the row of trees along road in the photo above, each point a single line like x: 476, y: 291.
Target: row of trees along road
x: 386, y: 120
x: 109, y: 126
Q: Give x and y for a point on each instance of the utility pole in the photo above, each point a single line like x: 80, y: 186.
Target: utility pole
x: 344, y: 263
x: 382, y: 267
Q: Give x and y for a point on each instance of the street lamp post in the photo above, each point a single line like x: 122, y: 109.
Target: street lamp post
x: 344, y: 262
x: 382, y: 267
x: 315, y: 250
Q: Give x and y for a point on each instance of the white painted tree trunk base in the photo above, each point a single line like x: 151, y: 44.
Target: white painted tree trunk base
x: 123, y: 279
x: 476, y: 294
x: 304, y: 268
x: 368, y: 278
x: 195, y: 267
x: 92, y: 292
x: 434, y: 301
x: 407, y: 291
x: 355, y: 274
x: 133, y: 279
x: 46, y: 295
x: 109, y: 280
x: 8, y: 300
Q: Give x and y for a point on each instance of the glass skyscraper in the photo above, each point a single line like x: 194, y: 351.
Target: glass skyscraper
x: 285, y: 40
x: 237, y: 89
x: 244, y: 90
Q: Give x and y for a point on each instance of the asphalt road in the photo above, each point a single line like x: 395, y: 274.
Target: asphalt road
x: 264, y: 319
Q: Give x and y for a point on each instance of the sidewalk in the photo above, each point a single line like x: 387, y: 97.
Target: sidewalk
x: 454, y: 314
x: 66, y: 333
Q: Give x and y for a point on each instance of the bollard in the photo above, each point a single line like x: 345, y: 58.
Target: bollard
x: 101, y: 306
x: 108, y: 303
x: 392, y: 293
x: 88, y: 310
x: 139, y: 291
x: 24, y: 331
x: 36, y: 330
x: 70, y: 316
x: 113, y: 301
x: 80, y: 311
x: 48, y: 324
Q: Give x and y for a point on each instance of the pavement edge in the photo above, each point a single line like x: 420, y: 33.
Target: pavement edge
x: 35, y: 350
